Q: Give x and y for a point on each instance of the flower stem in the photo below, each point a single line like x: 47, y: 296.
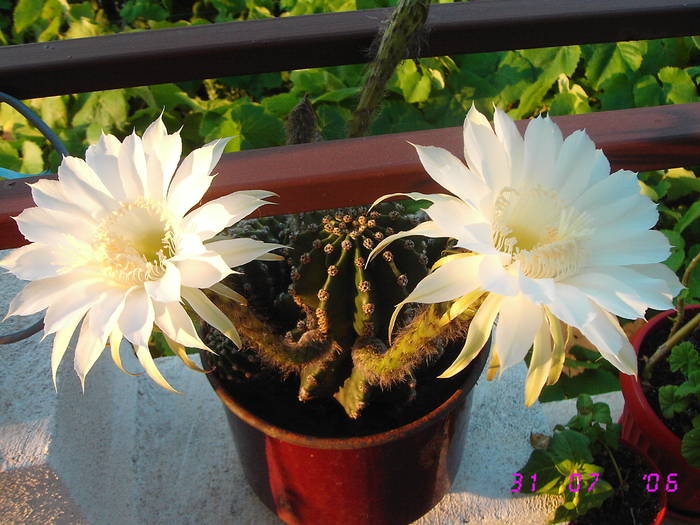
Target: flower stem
x: 681, y: 302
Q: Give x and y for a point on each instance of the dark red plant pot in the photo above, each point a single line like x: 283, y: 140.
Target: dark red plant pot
x: 390, y: 478
x: 653, y: 467
x: 642, y: 428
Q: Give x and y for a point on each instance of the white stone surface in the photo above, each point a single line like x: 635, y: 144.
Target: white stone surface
x: 126, y: 452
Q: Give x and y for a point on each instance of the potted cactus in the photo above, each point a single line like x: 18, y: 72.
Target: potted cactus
x: 333, y: 423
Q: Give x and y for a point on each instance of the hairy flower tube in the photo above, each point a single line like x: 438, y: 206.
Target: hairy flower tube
x: 546, y: 239
x: 115, y: 249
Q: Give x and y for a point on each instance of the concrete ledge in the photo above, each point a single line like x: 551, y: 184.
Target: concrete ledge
x: 126, y: 452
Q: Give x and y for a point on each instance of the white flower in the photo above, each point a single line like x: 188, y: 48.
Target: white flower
x: 551, y: 237
x: 114, y: 247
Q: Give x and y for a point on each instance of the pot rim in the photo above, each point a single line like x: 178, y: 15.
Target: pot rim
x: 635, y: 389
x: 354, y: 442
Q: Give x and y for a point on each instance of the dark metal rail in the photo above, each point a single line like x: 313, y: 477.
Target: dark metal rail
x: 236, y: 48
x: 357, y: 171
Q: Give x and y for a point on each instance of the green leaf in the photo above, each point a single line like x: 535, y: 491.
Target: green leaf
x: 601, y: 413
x: 646, y: 92
x: 675, y: 260
x: 541, y: 464
x: 584, y: 404
x: 685, y: 358
x: 570, y: 446
x: 259, y: 129
x: 309, y: 81
x: 617, y: 93
x: 681, y: 182
x: 690, y: 216
x: 146, y: 9
x: 609, y: 60
x: 32, y: 160
x: 413, y: 84
x: 106, y: 108
x: 337, y: 95
x: 678, y: 87
x: 669, y: 402
x: 171, y: 96
x: 26, y: 13
x: 280, y: 105
x: 690, y: 447
x: 332, y: 121
x: 9, y: 157
x: 54, y: 112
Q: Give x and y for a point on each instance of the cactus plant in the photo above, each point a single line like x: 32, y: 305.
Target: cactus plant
x: 325, y: 315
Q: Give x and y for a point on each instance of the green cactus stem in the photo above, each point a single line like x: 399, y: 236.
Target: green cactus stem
x: 400, y: 36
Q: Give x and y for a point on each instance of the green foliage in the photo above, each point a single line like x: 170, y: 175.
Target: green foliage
x: 567, y: 463
x: 684, y: 398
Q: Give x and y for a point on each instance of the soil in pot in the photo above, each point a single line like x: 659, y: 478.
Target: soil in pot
x: 264, y: 392
x: 662, y: 375
x: 631, y: 504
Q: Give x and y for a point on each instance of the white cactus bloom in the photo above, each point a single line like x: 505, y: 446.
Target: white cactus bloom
x: 549, y: 237
x: 114, y: 250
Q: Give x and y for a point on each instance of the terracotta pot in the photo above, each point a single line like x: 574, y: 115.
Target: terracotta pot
x: 390, y: 478
x: 645, y: 430
x: 653, y: 468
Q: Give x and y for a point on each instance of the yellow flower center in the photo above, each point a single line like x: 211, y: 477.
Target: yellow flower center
x: 540, y: 232
x: 133, y: 242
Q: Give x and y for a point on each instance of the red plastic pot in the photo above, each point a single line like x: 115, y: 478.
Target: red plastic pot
x: 390, y: 478
x: 642, y: 428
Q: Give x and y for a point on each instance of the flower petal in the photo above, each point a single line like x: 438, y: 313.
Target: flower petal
x: 162, y: 155
x: 543, y: 140
x: 660, y: 272
x: 49, y: 194
x: 607, y: 192
x: 82, y: 187
x: 451, y: 173
x: 574, y: 165
x: 427, y: 229
x: 60, y: 344
x: 237, y: 252
x: 146, y: 360
x: 644, y: 247
x: 136, y: 319
x: 454, y: 279
x: 88, y: 348
x: 212, y: 217
x: 172, y: 319
x: 208, y: 311
x: 115, y: 340
x: 518, y: 322
x: 227, y: 292
x: 571, y: 305
x: 513, y: 144
x: 192, y: 180
x: 604, y: 332
x: 49, y: 227
x: 132, y: 168
x: 167, y: 288
x: 181, y: 352
x: 540, y: 364
x: 103, y: 158
x: 76, y: 298
x: 464, y: 224
x: 478, y: 334
x: 203, y: 270
x: 484, y: 153
x: 493, y: 277
x: 34, y: 261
